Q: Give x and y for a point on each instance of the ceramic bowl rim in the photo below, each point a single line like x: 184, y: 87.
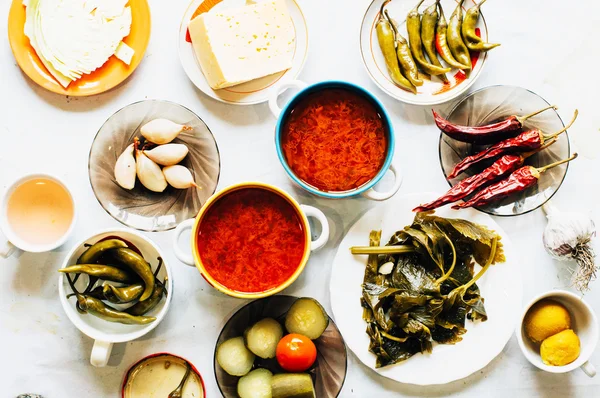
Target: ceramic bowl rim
x: 583, y: 305
x: 113, y: 337
x: 219, y: 195
x: 389, y: 127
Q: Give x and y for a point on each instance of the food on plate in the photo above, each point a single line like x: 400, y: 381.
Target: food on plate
x: 73, y: 38
x: 469, y: 33
x: 431, y: 32
x: 568, y: 236
x: 292, y: 385
x: 162, y: 131
x: 334, y: 140
x: 526, y: 141
x: 256, y: 384
x: 546, y: 318
x: 179, y: 177
x: 234, y: 46
x: 407, y: 62
x: 149, y: 173
x: 518, y: 181
x: 167, y: 154
x: 264, y: 352
x: 501, y: 168
x: 387, y: 44
x: 118, y: 295
x: 296, y: 353
x: 141, y: 288
x: 158, y: 134
x: 487, y: 134
x: 431, y: 289
x: 413, y: 27
x: 262, y: 337
x: 251, y: 240
x: 307, y: 317
x: 428, y: 24
x: 441, y: 42
x: 234, y: 357
x: 560, y: 349
x: 454, y: 36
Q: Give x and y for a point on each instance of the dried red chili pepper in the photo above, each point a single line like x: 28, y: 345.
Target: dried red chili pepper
x: 526, y: 141
x: 487, y: 134
x: 501, y: 168
x: 518, y: 181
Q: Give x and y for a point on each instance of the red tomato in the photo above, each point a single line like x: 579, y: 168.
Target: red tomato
x: 296, y: 353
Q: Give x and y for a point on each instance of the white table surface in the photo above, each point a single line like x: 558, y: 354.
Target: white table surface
x: 43, y: 352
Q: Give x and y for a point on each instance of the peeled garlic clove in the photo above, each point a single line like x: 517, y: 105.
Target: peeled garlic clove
x: 179, y: 177
x: 162, y: 131
x: 168, y: 154
x: 149, y: 173
x: 125, y: 169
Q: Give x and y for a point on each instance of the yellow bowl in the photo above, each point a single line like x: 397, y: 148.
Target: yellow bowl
x: 303, y: 212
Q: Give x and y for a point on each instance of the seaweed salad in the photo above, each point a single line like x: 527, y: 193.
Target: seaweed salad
x: 421, y: 286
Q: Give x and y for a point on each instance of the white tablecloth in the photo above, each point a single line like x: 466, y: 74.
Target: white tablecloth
x: 546, y: 45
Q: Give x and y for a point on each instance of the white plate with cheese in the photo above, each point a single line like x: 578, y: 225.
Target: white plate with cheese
x: 239, y: 41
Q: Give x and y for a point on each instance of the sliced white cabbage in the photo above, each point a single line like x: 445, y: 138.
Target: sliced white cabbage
x: 76, y: 37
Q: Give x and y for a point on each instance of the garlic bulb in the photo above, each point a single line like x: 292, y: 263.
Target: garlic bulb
x: 125, y: 169
x: 149, y: 173
x: 568, y: 237
x: 179, y: 177
x: 162, y: 131
x: 168, y: 154
x: 386, y: 268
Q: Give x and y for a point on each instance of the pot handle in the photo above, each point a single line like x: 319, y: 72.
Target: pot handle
x: 184, y: 257
x: 379, y: 196
x: 7, y: 249
x: 275, y: 109
x: 100, y: 353
x: 589, y: 369
x: 318, y: 214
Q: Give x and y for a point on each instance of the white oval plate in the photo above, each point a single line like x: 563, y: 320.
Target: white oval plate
x: 429, y: 93
x: 255, y: 91
x: 500, y: 286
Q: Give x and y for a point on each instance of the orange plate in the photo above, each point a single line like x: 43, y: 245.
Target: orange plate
x: 109, y: 75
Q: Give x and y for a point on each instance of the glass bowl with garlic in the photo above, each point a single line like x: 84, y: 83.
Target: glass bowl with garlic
x: 153, y: 164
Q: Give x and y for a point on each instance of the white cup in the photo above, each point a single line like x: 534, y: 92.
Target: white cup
x: 103, y: 332
x: 583, y: 322
x: 13, y: 241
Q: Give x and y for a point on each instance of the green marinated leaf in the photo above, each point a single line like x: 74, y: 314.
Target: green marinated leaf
x: 411, y: 277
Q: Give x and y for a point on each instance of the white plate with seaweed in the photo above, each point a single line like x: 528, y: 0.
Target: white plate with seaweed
x: 501, y: 288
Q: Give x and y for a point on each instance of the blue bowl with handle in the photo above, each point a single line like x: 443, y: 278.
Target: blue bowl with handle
x: 366, y: 190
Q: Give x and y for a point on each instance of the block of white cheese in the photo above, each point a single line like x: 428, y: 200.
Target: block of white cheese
x: 237, y: 45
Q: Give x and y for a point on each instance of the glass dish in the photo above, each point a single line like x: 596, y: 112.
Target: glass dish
x: 495, y: 103
x: 329, y: 371
x: 140, y: 208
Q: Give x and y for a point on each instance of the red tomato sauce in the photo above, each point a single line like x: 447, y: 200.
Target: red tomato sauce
x: 251, y: 240
x: 334, y: 140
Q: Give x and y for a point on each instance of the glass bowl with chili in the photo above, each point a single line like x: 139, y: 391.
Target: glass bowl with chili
x: 496, y: 107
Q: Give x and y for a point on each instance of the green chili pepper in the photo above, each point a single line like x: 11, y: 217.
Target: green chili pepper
x: 94, y: 252
x: 143, y: 307
x: 474, y: 42
x: 97, y: 308
x: 385, y: 36
x: 441, y: 42
x: 413, y: 26
x: 428, y: 25
x: 455, y: 41
x: 100, y: 271
x: 118, y: 295
x: 137, y: 264
x: 407, y: 62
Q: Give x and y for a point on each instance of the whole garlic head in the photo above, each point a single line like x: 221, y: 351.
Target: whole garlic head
x: 162, y: 131
x: 168, y: 154
x: 179, y: 177
x: 125, y: 169
x: 149, y: 173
